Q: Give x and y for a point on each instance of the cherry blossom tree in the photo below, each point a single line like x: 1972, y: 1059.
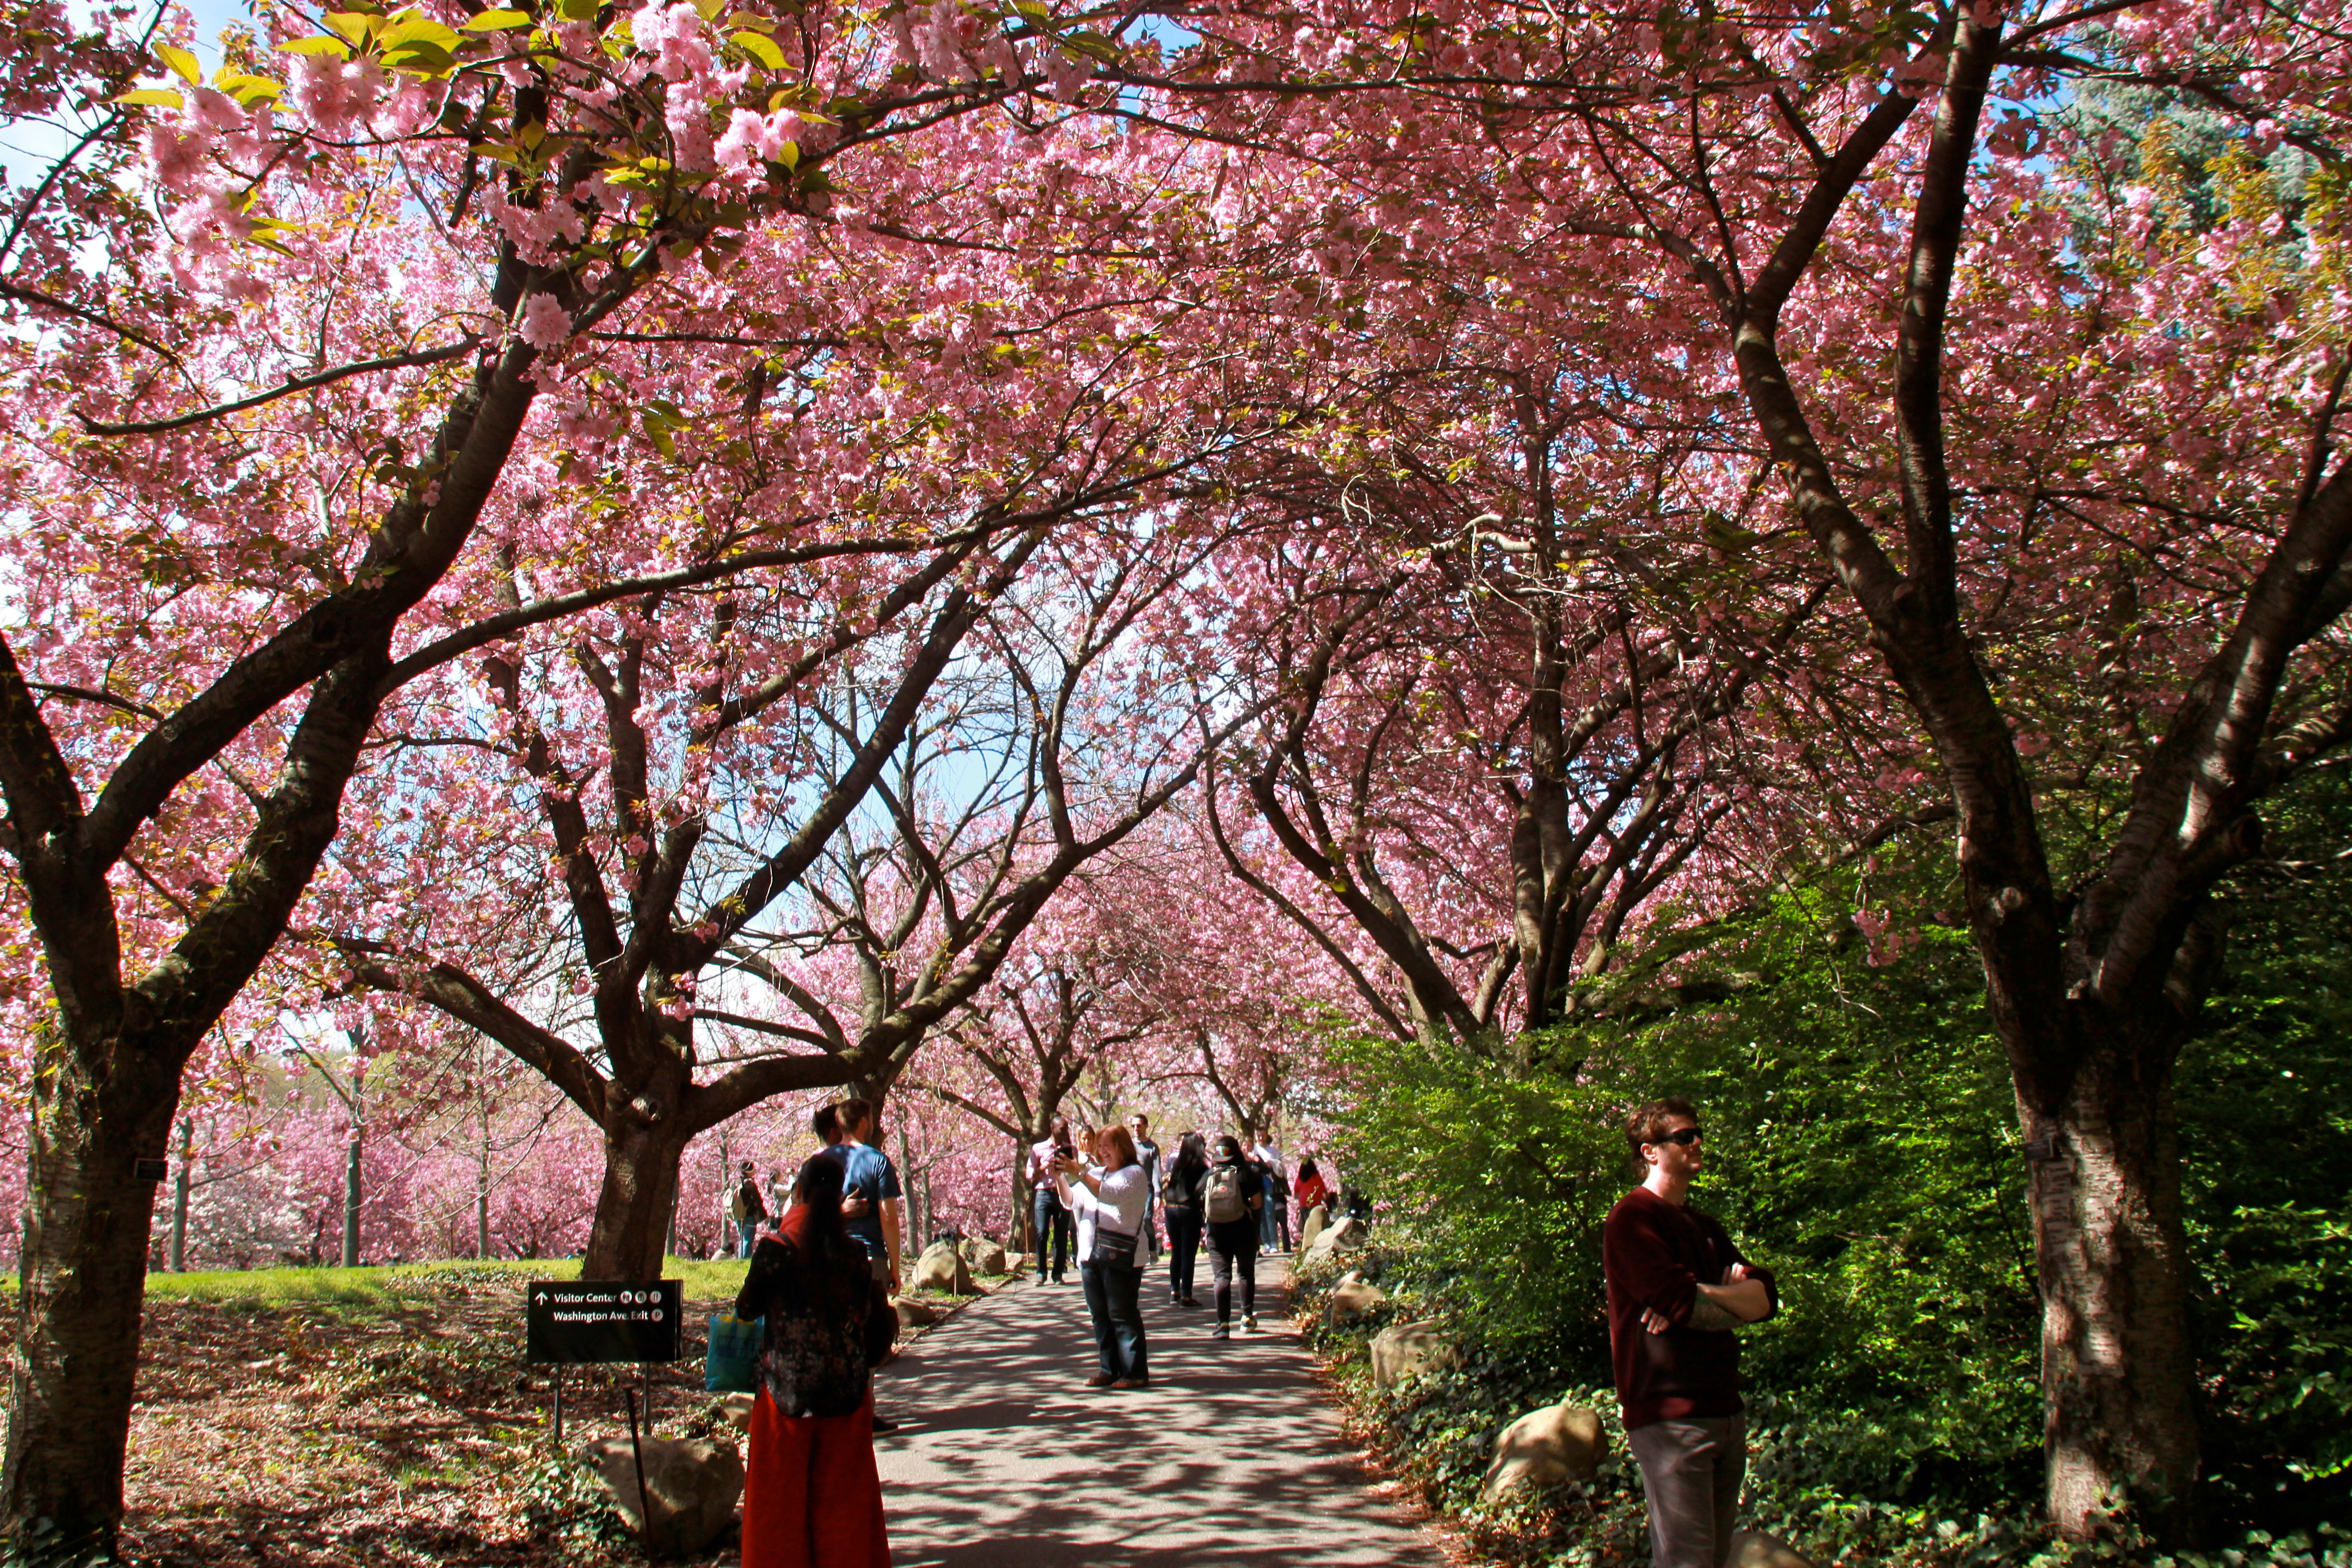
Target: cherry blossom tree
x: 1866, y: 233
x: 283, y: 330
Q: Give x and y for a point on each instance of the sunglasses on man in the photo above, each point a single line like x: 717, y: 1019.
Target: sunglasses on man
x: 1681, y: 1137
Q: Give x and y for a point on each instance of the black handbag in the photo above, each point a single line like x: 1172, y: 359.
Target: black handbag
x: 1114, y: 1247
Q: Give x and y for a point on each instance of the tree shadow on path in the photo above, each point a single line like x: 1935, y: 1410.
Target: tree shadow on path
x: 1233, y: 1459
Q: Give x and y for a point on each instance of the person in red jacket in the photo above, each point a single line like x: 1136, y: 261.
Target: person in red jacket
x: 1678, y: 1287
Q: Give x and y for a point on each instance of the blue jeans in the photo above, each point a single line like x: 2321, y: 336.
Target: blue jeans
x: 1049, y: 1223
x: 746, y: 1237
x: 1111, y: 1301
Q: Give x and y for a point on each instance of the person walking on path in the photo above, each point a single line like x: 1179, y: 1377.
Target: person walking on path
x: 1180, y: 1200
x: 1049, y: 1217
x: 1233, y: 1197
x: 1678, y: 1287
x: 811, y: 1494
x: 1147, y: 1154
x: 1110, y: 1201
x: 1312, y: 1192
x: 1268, y: 1160
x: 749, y: 1209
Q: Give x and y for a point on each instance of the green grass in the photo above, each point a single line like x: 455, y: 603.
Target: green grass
x: 383, y: 1286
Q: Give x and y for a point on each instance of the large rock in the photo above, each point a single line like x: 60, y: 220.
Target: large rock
x: 693, y: 1487
x: 1545, y: 1448
x: 1016, y: 1263
x: 941, y: 1267
x: 1754, y: 1549
x: 1311, y: 1227
x: 1344, y: 1237
x: 915, y: 1314
x: 1403, y: 1349
x: 739, y: 1410
x: 1353, y: 1299
x: 985, y: 1256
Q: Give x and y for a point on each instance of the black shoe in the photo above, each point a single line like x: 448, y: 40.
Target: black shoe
x: 884, y: 1424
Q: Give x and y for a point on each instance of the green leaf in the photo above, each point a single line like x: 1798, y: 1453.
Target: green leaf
x: 322, y: 44
x: 495, y: 21
x: 153, y: 96
x: 246, y: 89
x: 184, y: 66
x: 412, y: 26
x: 576, y: 10
x: 354, y: 26
x: 760, y: 47
x: 422, y: 59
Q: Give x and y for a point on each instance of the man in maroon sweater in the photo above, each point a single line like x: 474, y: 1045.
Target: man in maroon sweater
x: 1678, y: 1287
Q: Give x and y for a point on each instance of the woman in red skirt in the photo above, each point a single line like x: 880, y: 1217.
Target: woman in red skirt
x: 812, y: 1495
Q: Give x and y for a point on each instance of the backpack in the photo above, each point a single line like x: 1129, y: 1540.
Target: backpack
x: 1226, y: 1201
x: 735, y: 1206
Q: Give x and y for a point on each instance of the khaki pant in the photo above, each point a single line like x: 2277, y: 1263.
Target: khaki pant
x: 1691, y: 1472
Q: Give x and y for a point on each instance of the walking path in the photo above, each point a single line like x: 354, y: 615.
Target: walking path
x: 1231, y: 1458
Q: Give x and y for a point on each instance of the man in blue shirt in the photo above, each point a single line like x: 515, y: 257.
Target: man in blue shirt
x: 868, y: 1175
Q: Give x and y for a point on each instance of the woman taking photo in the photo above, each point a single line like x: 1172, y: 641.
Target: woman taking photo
x: 1180, y: 1199
x: 1109, y: 1201
x: 812, y: 1495
x: 1231, y: 1197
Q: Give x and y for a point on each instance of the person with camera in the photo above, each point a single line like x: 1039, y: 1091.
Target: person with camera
x: 1110, y: 1201
x: 1049, y: 1217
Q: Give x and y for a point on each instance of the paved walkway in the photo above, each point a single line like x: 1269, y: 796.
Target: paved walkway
x: 1233, y: 1459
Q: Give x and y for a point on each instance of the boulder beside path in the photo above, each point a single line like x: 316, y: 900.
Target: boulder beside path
x: 1403, y: 1350
x: 985, y: 1256
x: 942, y: 1268
x: 1546, y: 1448
x: 693, y: 1487
x: 1754, y: 1549
x: 1353, y: 1299
x: 1344, y: 1237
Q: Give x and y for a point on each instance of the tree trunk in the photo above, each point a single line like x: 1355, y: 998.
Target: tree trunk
x: 180, y: 1196
x: 352, y: 1198
x: 2118, y: 1372
x: 1017, y: 1234
x: 88, y: 1223
x: 633, y: 1210
x: 482, y: 1183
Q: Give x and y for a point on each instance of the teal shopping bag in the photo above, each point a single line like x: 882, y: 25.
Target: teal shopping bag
x: 732, y: 1364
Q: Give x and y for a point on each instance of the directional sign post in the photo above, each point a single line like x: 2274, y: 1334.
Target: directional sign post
x: 574, y: 1322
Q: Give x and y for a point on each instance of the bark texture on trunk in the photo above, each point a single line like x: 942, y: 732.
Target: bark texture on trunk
x: 633, y: 1207
x: 2117, y: 1365
x: 87, y: 1223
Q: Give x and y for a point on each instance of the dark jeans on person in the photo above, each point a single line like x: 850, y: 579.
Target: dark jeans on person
x: 1112, y: 1301
x: 1233, y: 1249
x: 1183, y: 1250
x: 1691, y: 1472
x: 1049, y: 1222
x: 1281, y: 1213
